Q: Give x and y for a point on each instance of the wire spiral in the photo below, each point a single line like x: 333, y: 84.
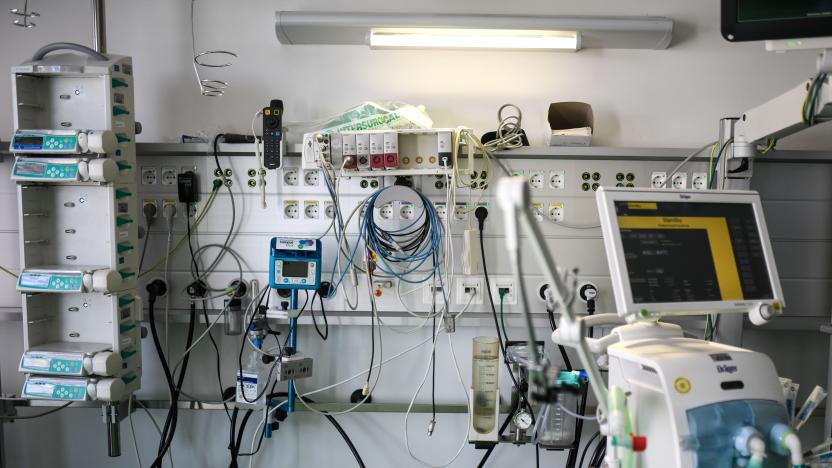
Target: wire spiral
x: 509, y: 133
x: 209, y: 87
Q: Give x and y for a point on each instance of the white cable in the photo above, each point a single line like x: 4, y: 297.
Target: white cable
x: 385, y: 361
x: 685, y: 161
x: 158, y: 430
x: 416, y: 394
x: 576, y: 415
x: 133, y: 431
x: 165, y: 275
x: 203, y: 335
x: 259, y: 155
x: 378, y: 372
x: 255, y: 436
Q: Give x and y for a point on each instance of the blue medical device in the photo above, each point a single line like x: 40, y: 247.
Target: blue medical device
x: 295, y: 263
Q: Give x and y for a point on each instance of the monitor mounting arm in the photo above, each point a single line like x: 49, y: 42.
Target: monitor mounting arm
x: 778, y: 118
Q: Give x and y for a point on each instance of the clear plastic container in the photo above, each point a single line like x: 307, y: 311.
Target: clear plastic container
x: 485, y: 370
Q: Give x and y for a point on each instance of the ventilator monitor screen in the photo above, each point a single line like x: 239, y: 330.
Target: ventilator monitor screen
x: 692, y: 252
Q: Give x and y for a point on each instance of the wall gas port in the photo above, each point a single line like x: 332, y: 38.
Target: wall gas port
x: 542, y: 289
x: 587, y: 291
x: 311, y: 209
x: 507, y: 287
x: 290, y: 176
x: 464, y: 286
x: 291, y: 209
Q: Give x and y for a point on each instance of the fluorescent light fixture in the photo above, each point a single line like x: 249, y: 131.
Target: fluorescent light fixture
x: 443, y: 38
x: 472, y: 31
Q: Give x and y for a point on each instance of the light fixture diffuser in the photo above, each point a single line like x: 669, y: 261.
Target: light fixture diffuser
x: 472, y: 31
x: 445, y: 38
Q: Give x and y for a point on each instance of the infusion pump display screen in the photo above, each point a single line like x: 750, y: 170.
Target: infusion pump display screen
x: 692, y: 252
x: 293, y: 269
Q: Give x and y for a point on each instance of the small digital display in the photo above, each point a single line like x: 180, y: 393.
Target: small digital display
x: 28, y: 141
x: 29, y: 169
x: 295, y: 269
x: 692, y: 252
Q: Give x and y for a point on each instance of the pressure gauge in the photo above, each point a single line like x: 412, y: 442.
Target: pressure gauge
x: 523, y: 420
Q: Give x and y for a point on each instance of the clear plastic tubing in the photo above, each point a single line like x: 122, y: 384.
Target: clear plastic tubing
x: 485, y: 369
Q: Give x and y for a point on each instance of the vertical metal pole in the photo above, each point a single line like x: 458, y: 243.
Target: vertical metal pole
x: 293, y: 343
x: 113, y: 432
x: 730, y: 325
x: 99, y: 27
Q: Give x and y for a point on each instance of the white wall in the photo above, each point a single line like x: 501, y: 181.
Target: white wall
x: 641, y: 98
x: 668, y: 98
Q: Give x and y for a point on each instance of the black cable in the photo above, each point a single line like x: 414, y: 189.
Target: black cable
x: 433, y: 359
x: 536, y: 455
x: 372, y: 336
x: 157, y: 463
x: 497, y: 326
x: 325, y: 333
x: 144, y: 247
x: 235, y: 444
x: 586, y: 447
x: 204, y: 309
x: 599, y: 453
x: 340, y: 431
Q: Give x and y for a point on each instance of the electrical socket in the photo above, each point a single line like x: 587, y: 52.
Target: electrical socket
x: 168, y: 176
x: 699, y: 181
x: 150, y: 176
x: 464, y: 285
x: 679, y: 181
x: 461, y: 211
x: 658, y: 179
x: 537, y: 211
x: 329, y: 210
x: 169, y: 202
x: 150, y: 201
x: 291, y: 209
x: 386, y: 211
x: 290, y: 176
x: 557, y: 179
x: 556, y: 211
x: 510, y: 296
x: 310, y: 209
x: 407, y: 211
x: 536, y: 179
x: 310, y: 178
x: 441, y: 210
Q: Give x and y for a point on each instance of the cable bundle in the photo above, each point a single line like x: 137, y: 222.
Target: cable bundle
x: 404, y: 251
x: 811, y: 100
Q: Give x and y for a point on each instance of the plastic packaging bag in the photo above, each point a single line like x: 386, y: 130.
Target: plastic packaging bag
x: 390, y: 115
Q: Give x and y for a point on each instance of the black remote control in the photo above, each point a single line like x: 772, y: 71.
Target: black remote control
x: 272, y: 133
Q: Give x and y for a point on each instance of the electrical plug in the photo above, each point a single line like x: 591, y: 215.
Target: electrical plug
x: 481, y: 213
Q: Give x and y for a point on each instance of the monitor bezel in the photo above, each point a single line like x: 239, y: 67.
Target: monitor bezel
x: 734, y: 30
x: 619, y: 276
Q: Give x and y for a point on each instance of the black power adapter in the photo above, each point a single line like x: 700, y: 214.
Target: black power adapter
x: 187, y: 187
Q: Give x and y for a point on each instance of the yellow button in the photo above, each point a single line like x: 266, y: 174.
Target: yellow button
x: 267, y: 112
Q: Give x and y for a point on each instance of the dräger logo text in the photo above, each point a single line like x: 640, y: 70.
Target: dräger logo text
x: 725, y: 369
